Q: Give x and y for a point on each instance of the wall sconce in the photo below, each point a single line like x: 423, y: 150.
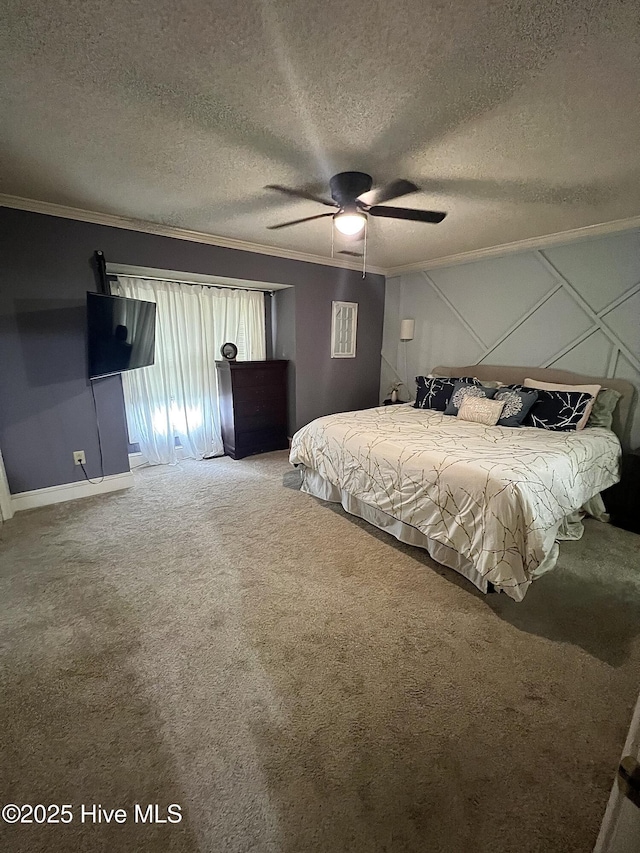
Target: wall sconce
x: 407, y: 329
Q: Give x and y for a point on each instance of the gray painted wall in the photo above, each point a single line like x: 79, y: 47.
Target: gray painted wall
x: 46, y: 410
x: 284, y: 344
x: 575, y: 306
x: 319, y: 384
x: 269, y: 321
x: 323, y: 384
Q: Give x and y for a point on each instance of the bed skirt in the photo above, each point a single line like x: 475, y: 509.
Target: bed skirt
x: 569, y: 528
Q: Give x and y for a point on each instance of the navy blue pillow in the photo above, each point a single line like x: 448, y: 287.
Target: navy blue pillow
x: 461, y: 389
x: 517, y: 403
x: 558, y: 410
x: 435, y: 393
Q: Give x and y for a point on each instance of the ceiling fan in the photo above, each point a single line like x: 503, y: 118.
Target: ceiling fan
x: 354, y: 198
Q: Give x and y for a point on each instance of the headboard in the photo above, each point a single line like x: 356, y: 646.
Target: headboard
x: 622, y: 416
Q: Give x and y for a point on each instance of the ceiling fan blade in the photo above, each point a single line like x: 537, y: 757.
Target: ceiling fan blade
x: 351, y: 254
x: 390, y: 191
x: 300, y: 194
x: 407, y: 213
x: 297, y: 221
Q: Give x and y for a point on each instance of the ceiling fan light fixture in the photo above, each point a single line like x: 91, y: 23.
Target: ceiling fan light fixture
x: 350, y: 222
x: 355, y: 201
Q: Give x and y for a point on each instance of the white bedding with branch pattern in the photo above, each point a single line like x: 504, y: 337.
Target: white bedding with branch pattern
x: 495, y: 495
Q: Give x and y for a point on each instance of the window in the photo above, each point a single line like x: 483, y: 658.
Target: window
x: 344, y: 323
x: 177, y: 396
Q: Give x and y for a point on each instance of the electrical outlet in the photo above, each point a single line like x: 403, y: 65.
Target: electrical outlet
x: 78, y: 457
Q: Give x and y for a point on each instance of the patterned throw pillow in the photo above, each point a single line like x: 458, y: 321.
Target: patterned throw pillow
x: 553, y: 386
x: 516, y: 405
x: 480, y: 410
x: 558, y: 410
x: 435, y: 393
x: 461, y: 390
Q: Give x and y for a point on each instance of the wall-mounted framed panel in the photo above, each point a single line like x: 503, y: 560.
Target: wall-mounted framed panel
x: 344, y: 327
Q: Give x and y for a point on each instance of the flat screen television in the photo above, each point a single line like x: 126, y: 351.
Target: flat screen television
x: 121, y: 334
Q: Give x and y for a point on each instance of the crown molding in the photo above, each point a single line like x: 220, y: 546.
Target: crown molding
x: 528, y: 244
x: 114, y: 221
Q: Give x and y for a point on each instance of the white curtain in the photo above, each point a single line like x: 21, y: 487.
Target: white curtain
x: 177, y: 396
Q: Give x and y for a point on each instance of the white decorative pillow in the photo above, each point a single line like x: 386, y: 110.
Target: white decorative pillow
x: 583, y: 389
x: 490, y: 383
x: 481, y: 410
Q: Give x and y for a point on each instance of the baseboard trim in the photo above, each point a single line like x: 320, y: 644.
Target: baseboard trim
x: 136, y: 460
x: 70, y: 491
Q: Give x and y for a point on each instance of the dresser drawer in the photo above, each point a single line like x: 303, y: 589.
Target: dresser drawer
x: 257, y: 377
x: 274, y: 407
x: 261, y: 421
x: 261, y: 441
x: 259, y: 395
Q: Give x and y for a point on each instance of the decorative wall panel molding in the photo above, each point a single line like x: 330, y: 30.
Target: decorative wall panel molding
x: 580, y: 311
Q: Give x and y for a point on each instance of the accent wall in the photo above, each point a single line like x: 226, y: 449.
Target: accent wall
x: 574, y: 306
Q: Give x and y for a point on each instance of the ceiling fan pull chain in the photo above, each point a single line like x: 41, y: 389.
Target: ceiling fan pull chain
x: 364, y: 255
x: 332, y: 243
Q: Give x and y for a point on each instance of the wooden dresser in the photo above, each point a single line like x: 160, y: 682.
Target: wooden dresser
x: 253, y: 406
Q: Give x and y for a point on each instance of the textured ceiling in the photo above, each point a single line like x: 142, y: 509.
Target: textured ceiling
x: 518, y: 118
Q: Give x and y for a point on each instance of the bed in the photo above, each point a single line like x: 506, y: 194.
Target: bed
x: 489, y: 502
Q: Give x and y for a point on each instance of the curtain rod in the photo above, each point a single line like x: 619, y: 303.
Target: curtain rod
x: 115, y: 277
x: 192, y: 278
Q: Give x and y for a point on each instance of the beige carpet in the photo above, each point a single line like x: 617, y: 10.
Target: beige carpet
x: 298, y: 681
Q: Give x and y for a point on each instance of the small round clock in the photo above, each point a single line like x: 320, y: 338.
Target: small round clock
x: 229, y: 351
